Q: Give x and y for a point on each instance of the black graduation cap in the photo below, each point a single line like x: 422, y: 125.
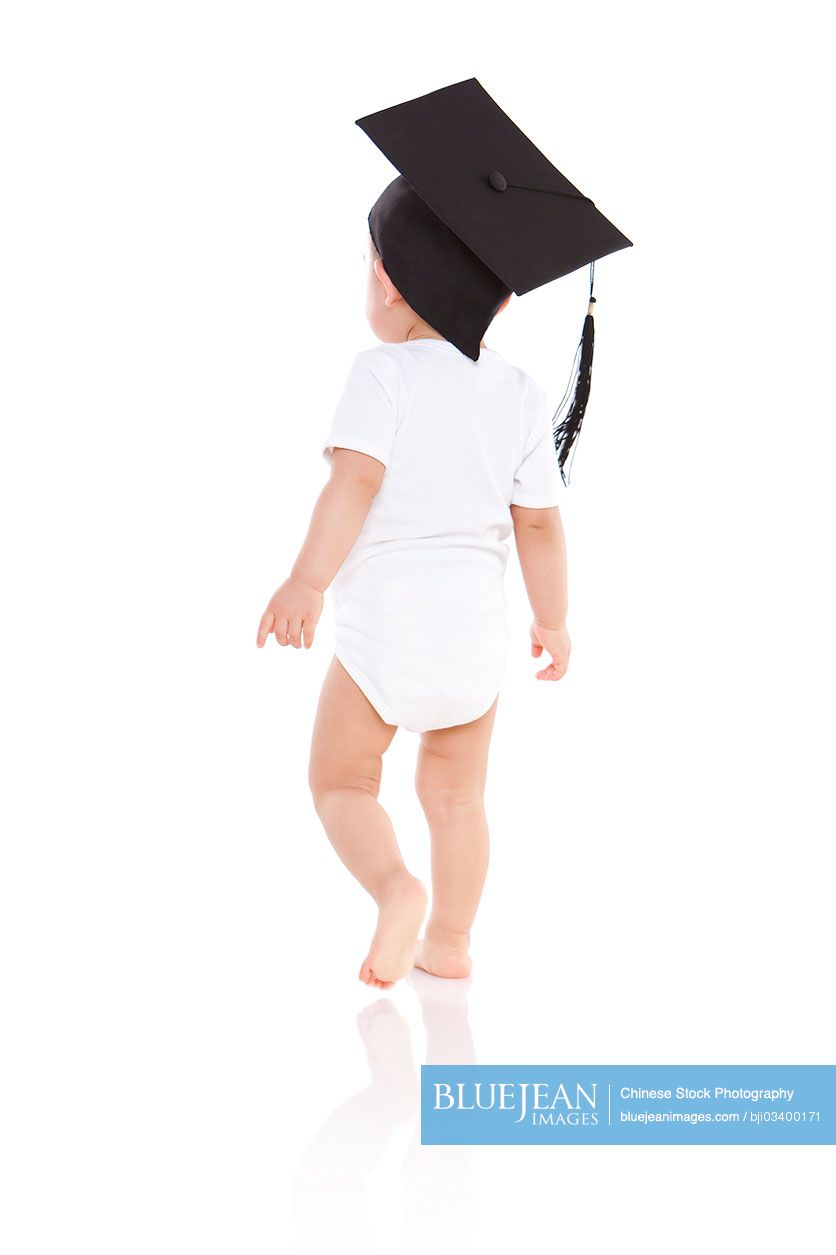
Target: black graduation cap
x: 479, y: 212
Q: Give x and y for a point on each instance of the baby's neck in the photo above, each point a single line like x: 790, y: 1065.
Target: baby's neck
x: 433, y: 335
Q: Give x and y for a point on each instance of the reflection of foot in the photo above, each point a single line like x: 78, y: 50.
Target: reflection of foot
x: 444, y: 1012
x: 444, y: 953
x: 401, y: 910
x: 388, y: 1044
x: 447, y: 995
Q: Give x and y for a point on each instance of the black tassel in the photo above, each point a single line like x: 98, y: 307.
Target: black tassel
x: 566, y: 431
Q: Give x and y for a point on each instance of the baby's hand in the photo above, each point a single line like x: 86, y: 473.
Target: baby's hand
x: 556, y: 642
x: 292, y: 613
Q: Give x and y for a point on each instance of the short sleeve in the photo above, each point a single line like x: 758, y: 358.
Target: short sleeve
x: 366, y: 417
x: 537, y: 481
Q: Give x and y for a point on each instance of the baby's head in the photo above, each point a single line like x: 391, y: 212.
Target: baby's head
x: 391, y: 318
x: 422, y: 280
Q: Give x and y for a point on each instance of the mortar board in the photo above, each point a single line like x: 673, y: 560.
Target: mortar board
x: 476, y: 213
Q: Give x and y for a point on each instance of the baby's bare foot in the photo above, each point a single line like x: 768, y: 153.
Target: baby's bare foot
x: 401, y: 909
x: 444, y: 953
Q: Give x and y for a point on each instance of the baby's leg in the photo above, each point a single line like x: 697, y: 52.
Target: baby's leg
x: 450, y: 782
x: 349, y: 739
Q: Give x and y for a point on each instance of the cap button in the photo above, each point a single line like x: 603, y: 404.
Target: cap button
x: 497, y: 181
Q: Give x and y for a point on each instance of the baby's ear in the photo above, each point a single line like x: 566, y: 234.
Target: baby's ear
x: 392, y: 295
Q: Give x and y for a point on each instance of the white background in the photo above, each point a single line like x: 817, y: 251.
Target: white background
x: 182, y: 293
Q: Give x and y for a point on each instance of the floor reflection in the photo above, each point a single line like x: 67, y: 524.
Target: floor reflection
x: 331, y: 1203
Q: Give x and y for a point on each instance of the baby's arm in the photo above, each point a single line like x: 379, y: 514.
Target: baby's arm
x: 541, y: 546
x: 339, y: 514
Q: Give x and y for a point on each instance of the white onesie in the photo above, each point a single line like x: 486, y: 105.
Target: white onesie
x: 419, y: 602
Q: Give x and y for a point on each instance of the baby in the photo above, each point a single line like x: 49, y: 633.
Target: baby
x: 434, y: 459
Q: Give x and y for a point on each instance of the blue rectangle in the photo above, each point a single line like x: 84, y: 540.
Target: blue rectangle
x: 611, y: 1104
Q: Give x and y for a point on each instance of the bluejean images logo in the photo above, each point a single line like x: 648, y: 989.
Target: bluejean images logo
x: 731, y: 1104
x: 543, y: 1102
